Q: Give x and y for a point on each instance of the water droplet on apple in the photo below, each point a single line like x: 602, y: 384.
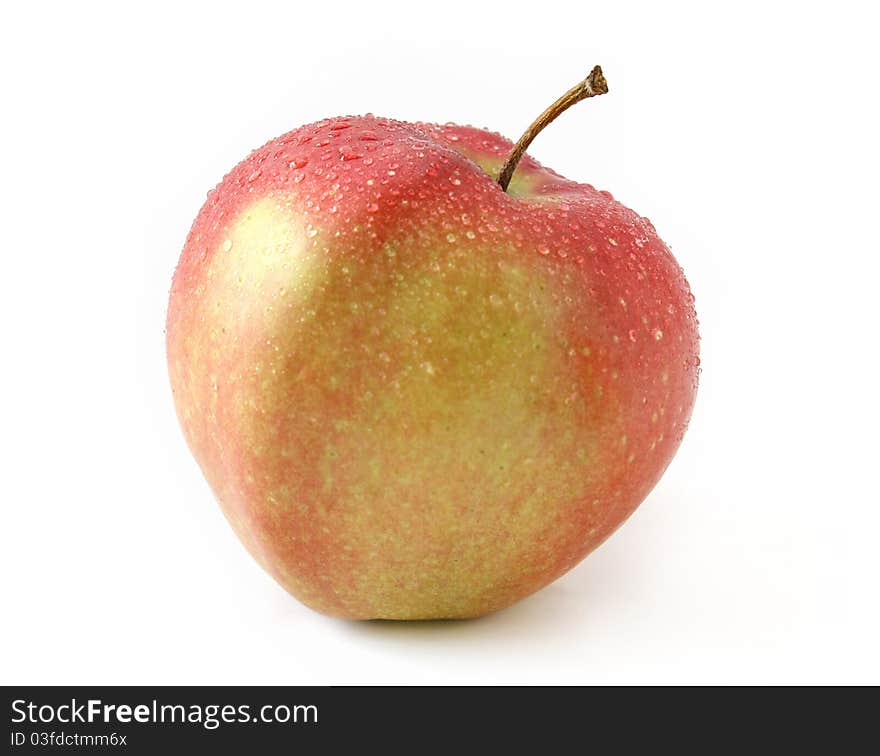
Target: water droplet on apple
x: 298, y: 163
x: 658, y: 334
x: 372, y: 207
x: 227, y: 245
x: 254, y: 175
x: 542, y: 250
x: 632, y: 335
x: 470, y: 234
x: 450, y: 238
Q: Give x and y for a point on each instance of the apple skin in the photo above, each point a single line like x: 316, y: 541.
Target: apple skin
x: 414, y: 395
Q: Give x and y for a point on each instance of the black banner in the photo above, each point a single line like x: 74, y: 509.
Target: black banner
x: 262, y: 720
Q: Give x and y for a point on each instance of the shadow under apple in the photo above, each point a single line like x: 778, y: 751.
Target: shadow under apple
x: 602, y: 585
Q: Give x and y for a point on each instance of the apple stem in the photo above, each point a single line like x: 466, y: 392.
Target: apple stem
x: 593, y: 85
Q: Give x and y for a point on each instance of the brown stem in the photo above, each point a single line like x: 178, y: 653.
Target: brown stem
x: 593, y: 85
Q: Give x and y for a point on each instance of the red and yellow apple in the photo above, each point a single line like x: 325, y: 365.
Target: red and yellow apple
x: 416, y: 395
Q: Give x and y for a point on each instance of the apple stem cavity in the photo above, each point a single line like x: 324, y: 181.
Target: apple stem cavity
x: 593, y: 85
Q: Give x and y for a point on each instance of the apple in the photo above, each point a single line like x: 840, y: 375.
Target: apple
x: 416, y: 394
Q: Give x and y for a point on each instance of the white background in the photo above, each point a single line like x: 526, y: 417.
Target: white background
x: 747, y: 134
